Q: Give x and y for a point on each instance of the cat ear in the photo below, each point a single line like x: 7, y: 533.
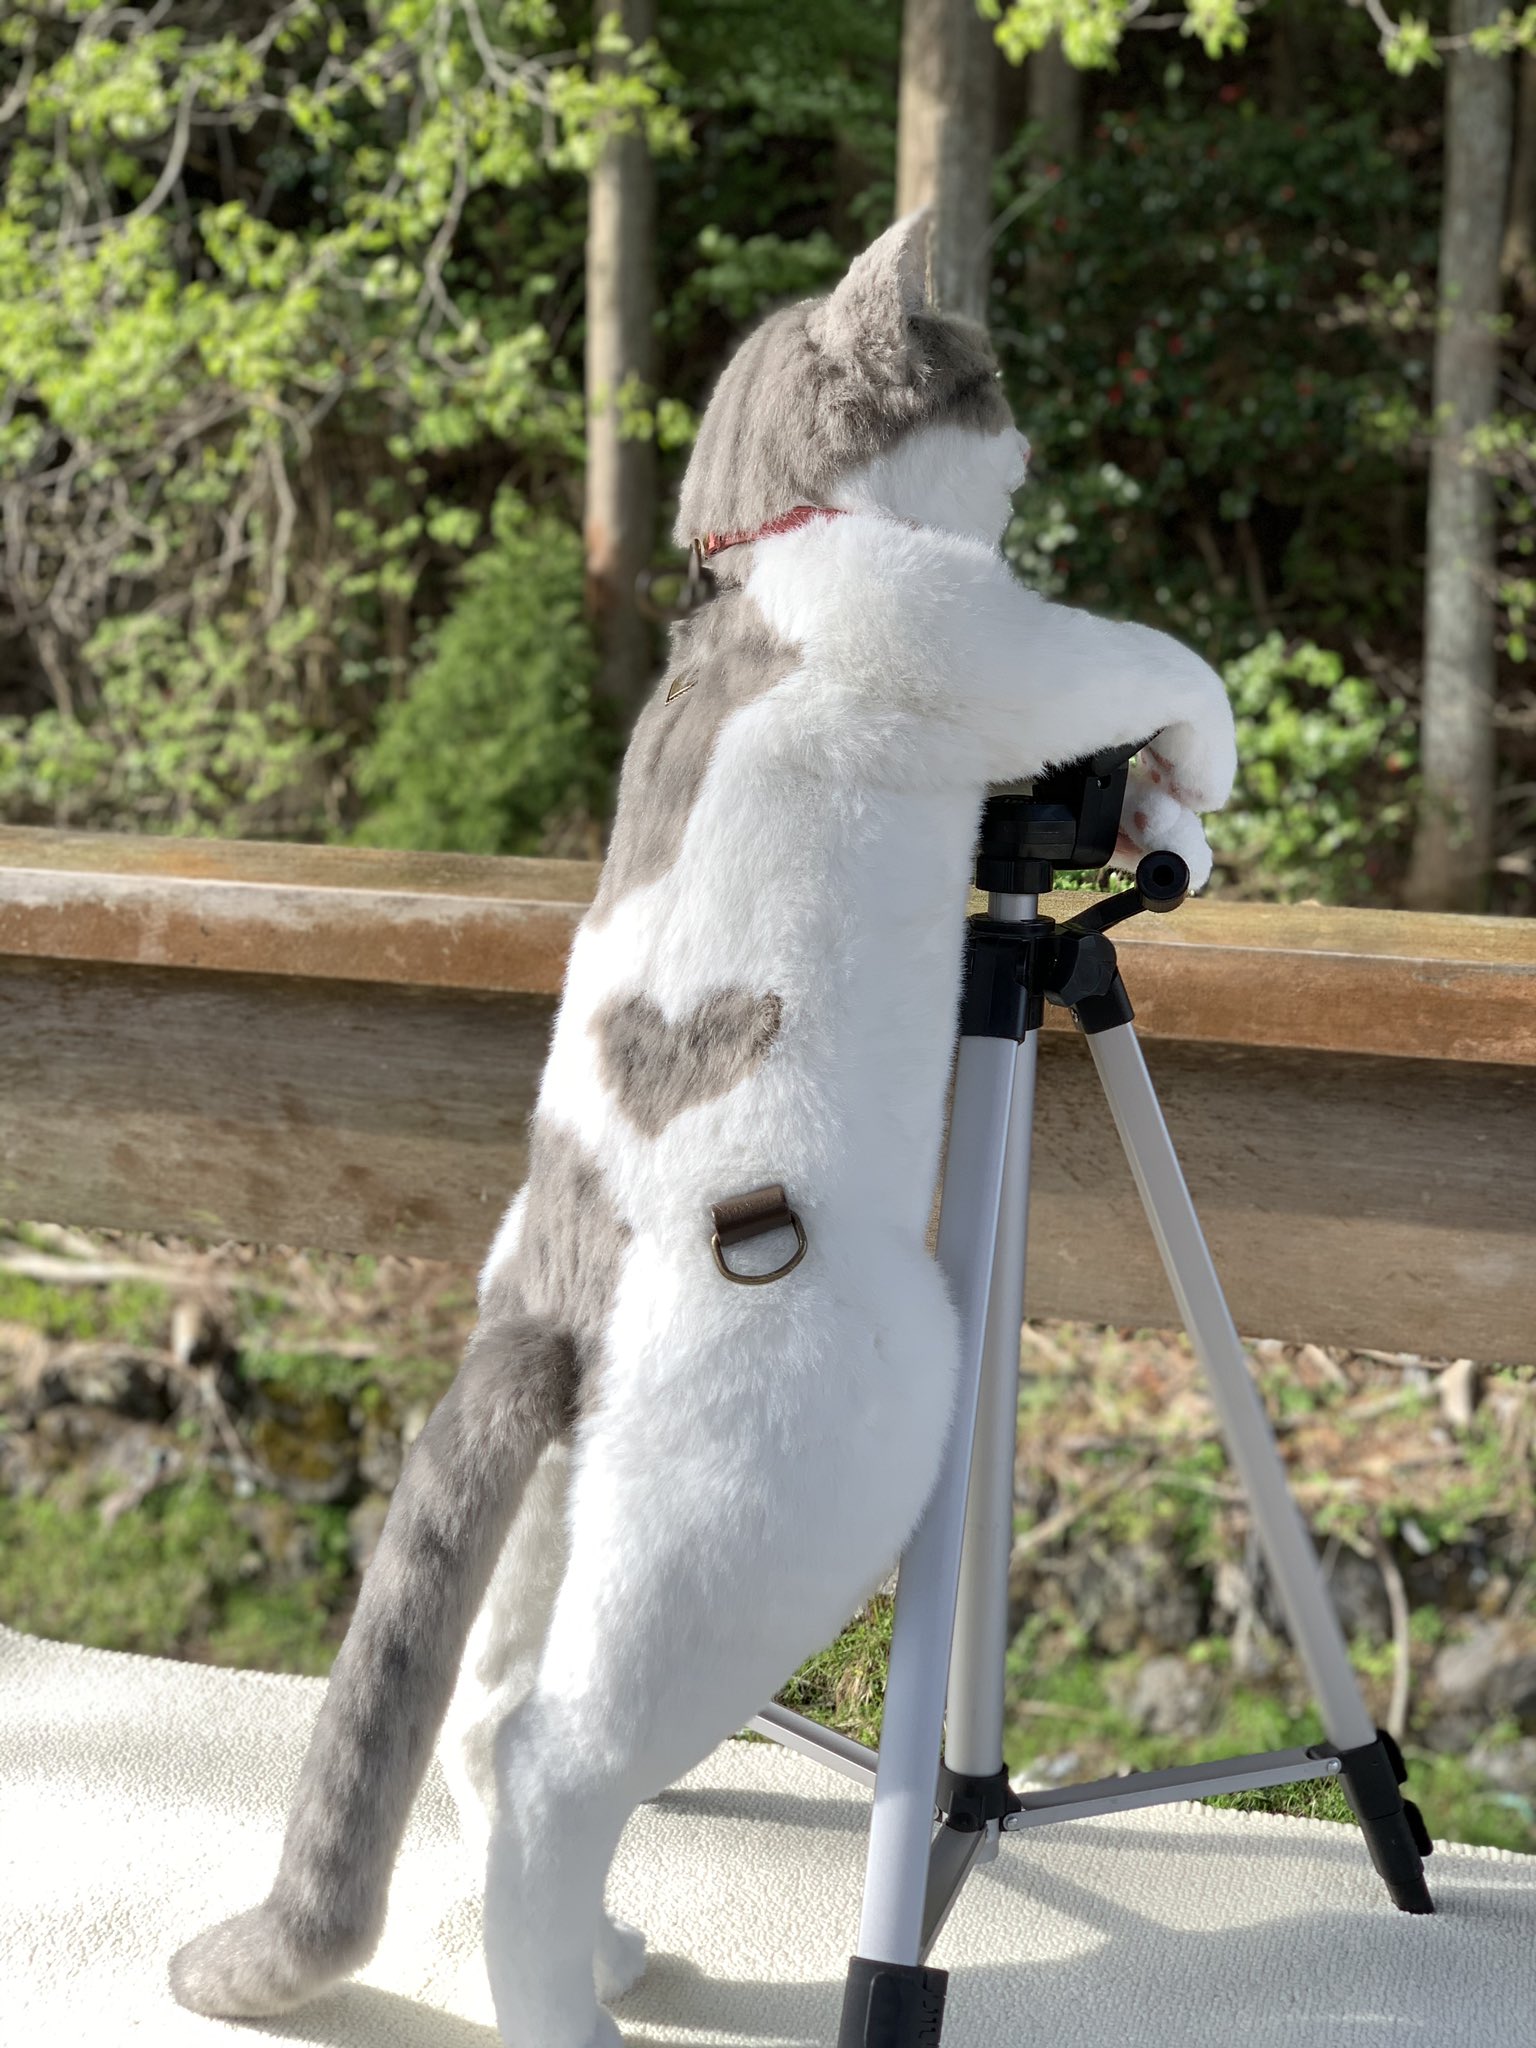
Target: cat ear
x: 866, y: 317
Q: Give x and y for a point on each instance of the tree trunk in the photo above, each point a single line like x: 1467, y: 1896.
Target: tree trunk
x: 1453, y: 847
x: 1290, y: 50
x: 621, y: 469
x: 944, y: 144
x: 1520, y: 230
x: 1056, y: 103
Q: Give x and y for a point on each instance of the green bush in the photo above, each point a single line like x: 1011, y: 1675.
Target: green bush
x: 495, y: 734
x: 191, y: 732
x: 1323, y: 801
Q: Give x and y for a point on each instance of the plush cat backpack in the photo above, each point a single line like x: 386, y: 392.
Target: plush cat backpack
x: 706, y: 1397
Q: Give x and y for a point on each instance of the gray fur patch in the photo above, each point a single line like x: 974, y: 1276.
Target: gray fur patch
x: 394, y: 1675
x: 572, y: 1243
x: 732, y: 657
x: 822, y: 388
x: 658, y: 1069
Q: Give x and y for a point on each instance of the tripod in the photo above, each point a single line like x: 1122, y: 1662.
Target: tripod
x: 945, y: 1686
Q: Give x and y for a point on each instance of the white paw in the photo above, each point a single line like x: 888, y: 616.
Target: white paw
x: 618, y: 1963
x: 1153, y: 821
x: 1195, y: 763
x: 562, y: 2026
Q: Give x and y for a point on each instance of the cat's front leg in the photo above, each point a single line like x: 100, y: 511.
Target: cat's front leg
x: 1024, y: 684
x: 1130, y: 682
x: 1128, y: 674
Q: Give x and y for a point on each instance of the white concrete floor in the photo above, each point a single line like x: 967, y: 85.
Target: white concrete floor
x: 140, y: 1799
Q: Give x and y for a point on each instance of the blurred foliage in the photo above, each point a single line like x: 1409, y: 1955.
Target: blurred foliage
x: 281, y: 302
x: 291, y: 318
x: 190, y: 731
x: 457, y: 762
x: 133, y: 1310
x: 1197, y: 398
x: 179, y: 1566
x: 1323, y: 800
x: 1092, y: 31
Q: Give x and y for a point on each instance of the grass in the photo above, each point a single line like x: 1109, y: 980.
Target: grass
x: 1307, y: 1799
x: 134, y: 1311
x: 843, y: 1686
x: 174, y: 1578
x: 316, y: 1373
x: 1068, y: 1706
x: 1457, y: 1805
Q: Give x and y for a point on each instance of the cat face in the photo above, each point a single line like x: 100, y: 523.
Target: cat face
x: 869, y: 399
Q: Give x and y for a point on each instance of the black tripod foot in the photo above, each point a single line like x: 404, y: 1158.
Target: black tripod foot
x: 1393, y: 1827
x: 892, y: 2005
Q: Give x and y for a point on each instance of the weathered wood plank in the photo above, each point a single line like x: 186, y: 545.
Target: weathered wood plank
x: 348, y: 913
x: 339, y: 1048
x: 1396, y: 984
x: 1348, y: 1199
x: 266, y: 862
x: 278, y: 1111
x: 1382, y: 982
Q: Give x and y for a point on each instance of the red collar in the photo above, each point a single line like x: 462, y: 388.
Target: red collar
x: 716, y: 543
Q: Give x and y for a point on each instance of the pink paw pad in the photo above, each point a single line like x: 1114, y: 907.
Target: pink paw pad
x: 1164, y: 768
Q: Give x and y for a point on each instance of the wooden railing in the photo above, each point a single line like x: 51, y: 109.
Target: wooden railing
x: 339, y: 1048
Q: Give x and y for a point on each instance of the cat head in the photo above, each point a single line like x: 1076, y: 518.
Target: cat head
x: 870, y: 399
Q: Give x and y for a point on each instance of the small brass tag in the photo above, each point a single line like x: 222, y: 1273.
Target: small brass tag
x: 679, y: 684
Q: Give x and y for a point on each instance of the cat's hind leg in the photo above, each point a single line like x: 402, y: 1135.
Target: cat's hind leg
x: 501, y: 1661
x: 392, y: 1679
x: 501, y: 1658
x: 728, y: 1515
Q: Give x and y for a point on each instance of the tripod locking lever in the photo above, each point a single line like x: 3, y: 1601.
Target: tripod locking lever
x: 1162, y: 883
x: 1014, y: 966
x: 1084, y: 977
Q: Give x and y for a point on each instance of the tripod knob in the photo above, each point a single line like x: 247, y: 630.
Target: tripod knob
x: 1162, y: 881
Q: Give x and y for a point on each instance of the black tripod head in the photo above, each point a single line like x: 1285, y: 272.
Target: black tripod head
x: 1016, y: 964
x: 1069, y: 818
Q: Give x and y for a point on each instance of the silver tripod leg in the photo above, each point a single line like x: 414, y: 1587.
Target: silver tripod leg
x: 901, y: 1825
x: 1287, y: 1547
x: 973, y: 1723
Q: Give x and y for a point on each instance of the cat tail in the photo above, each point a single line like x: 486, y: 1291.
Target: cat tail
x: 394, y: 1676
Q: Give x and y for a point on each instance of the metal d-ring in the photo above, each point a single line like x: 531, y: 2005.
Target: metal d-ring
x: 754, y: 1215
x: 762, y: 1279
